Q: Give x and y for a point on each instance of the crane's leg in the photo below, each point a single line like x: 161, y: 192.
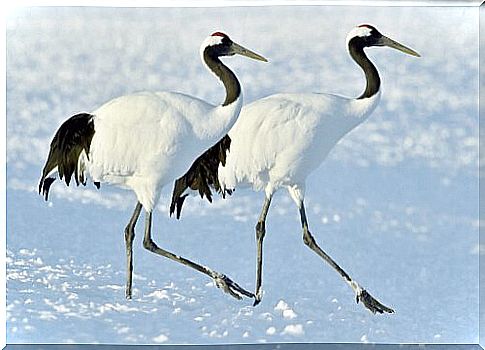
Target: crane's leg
x: 129, y: 236
x: 260, y: 232
x: 361, y: 294
x: 221, y: 280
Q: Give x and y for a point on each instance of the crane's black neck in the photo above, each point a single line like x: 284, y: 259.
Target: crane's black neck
x: 373, y: 82
x: 228, y: 78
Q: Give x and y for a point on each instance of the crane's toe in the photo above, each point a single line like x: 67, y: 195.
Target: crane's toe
x: 231, y: 287
x: 371, y: 303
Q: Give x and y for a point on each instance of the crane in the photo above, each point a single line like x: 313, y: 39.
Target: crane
x: 144, y: 141
x: 279, y: 140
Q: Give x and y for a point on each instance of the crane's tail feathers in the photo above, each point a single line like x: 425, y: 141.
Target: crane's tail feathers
x: 66, y: 156
x: 202, y: 176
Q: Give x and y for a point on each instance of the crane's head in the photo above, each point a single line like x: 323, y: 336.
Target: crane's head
x: 366, y: 35
x: 219, y: 44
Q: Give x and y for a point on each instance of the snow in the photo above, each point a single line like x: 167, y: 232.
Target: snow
x: 162, y: 338
x: 294, y: 330
x: 395, y: 204
x: 271, y: 330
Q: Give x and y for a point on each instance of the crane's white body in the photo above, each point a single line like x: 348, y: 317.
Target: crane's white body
x: 145, y: 140
x: 279, y: 140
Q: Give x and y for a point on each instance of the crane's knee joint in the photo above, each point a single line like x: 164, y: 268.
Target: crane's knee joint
x: 308, y: 238
x: 260, y: 230
x: 149, y: 245
x: 129, y: 234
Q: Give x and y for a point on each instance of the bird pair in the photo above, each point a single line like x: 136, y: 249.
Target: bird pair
x: 147, y: 140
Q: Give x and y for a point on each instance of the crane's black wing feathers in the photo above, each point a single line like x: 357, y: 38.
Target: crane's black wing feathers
x: 202, y: 176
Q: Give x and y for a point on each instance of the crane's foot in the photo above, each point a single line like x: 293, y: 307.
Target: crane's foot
x: 371, y: 303
x: 231, y: 287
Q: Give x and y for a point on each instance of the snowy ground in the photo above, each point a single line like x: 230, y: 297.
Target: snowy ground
x: 396, y: 203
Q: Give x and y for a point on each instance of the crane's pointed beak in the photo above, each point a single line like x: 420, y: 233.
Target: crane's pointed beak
x: 237, y: 49
x: 385, y: 41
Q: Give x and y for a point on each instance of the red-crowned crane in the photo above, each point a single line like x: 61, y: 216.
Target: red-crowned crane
x: 146, y: 140
x: 279, y: 140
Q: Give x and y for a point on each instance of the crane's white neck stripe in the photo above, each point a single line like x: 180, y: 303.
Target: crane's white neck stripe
x: 358, y: 32
x: 209, y: 41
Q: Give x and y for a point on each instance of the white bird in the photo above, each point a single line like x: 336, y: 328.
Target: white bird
x: 146, y: 140
x: 279, y: 140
